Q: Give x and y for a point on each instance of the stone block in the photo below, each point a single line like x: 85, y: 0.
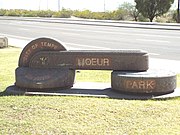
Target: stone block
x: 37, y: 45
x: 147, y: 82
x: 3, y: 42
x: 126, y: 60
x: 43, y: 79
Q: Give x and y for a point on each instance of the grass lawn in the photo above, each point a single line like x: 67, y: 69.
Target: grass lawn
x: 81, y: 115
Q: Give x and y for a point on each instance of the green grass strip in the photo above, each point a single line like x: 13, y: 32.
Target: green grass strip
x: 26, y: 115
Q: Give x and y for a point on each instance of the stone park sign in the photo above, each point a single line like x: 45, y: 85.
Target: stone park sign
x: 45, y: 64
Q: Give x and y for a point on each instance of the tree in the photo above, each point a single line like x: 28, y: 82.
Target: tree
x: 130, y: 9
x: 153, y: 8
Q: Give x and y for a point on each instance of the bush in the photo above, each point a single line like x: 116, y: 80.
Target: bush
x: 64, y: 13
x: 29, y: 13
x: 2, y: 12
x: 119, y: 14
x: 124, y: 12
x: 83, y: 14
x: 45, y: 13
x: 174, y: 16
x: 13, y: 12
x: 167, y: 18
x: 141, y: 18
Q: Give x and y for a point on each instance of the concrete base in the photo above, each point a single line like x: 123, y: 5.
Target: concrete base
x: 101, y: 90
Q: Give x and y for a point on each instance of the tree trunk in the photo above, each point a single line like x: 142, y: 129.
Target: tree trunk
x: 151, y: 19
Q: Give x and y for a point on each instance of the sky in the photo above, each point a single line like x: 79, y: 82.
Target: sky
x: 93, y: 5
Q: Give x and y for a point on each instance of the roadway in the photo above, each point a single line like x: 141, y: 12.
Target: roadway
x: 160, y: 43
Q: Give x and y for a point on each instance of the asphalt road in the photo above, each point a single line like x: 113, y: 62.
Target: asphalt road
x: 160, y: 43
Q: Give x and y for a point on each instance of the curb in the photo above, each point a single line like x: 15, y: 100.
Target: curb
x: 141, y: 25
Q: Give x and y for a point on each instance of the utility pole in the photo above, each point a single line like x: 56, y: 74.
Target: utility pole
x: 104, y: 5
x: 59, y: 5
x: 39, y: 4
x: 47, y: 5
x: 178, y: 12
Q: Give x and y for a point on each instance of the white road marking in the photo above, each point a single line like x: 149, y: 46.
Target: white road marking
x: 24, y: 29
x: 70, y: 33
x: 155, y: 54
x: 150, y: 40
x: 85, y: 46
x: 96, y: 31
x: 13, y: 36
x: 13, y: 39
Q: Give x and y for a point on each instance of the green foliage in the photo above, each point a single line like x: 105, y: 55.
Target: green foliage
x: 59, y: 115
x: 2, y: 12
x: 29, y: 13
x: 34, y: 13
x: 56, y: 115
x: 169, y: 17
x: 141, y: 18
x: 64, y: 13
x: 87, y: 14
x: 93, y: 76
x: 8, y: 63
x: 12, y: 12
x: 175, y: 16
x: 126, y: 11
x: 115, y: 15
x: 45, y: 13
x: 119, y: 14
x: 178, y: 80
x: 153, y: 8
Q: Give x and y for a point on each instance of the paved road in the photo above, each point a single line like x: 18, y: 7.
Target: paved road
x: 160, y: 43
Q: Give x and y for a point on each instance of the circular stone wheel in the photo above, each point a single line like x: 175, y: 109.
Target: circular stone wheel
x: 148, y: 82
x: 34, y: 78
x: 37, y: 45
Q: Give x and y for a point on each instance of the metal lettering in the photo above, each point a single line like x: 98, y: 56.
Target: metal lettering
x: 47, y: 44
x: 88, y: 62
x: 93, y: 62
x: 27, y: 53
x: 80, y: 63
x: 140, y: 84
x: 34, y: 46
x: 135, y: 85
x: 99, y: 62
x: 151, y: 84
x: 106, y: 62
